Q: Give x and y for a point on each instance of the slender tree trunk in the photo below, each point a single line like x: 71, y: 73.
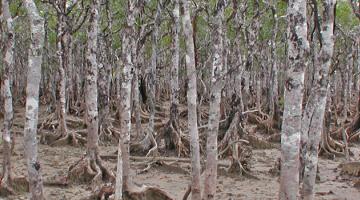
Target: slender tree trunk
x: 154, y: 63
x: 174, y: 80
x: 191, y: 99
x: 215, y: 98
x: 356, y: 66
x: 105, y: 68
x: 63, y: 55
x: 274, y: 85
x: 348, y: 81
x: 104, y: 86
x: 355, y: 69
x: 312, y: 123
x: 294, y: 84
x: 32, y: 99
x: 123, y: 168
x: 7, y: 28
x: 91, y: 92
x: 137, y: 104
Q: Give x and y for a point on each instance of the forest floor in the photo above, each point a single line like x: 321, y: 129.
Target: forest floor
x: 174, y: 177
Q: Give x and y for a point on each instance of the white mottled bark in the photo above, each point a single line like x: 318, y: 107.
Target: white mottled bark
x: 91, y: 92
x: 174, y: 80
x: 7, y: 28
x: 312, y: 122
x: 128, y: 43
x: 298, y: 46
x: 217, y: 80
x: 62, y: 51
x: 32, y: 99
x: 191, y: 99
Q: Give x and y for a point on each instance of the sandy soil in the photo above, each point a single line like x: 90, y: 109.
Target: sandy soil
x: 175, y: 178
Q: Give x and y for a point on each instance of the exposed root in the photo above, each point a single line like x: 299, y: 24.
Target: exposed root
x: 13, y: 186
x: 133, y: 192
x: 240, y: 156
x: 52, y: 136
x: 51, y: 122
x: 350, y: 168
x: 355, y: 137
x: 154, y: 150
x: 174, y: 139
x: 330, y: 146
x: 231, y: 144
x: 235, y: 131
x: 90, y: 170
x: 71, y: 138
x: 146, y: 146
x: 187, y: 193
x: 150, y: 165
x: 109, y: 134
x: 264, y: 122
x: 237, y: 168
x: 106, y: 192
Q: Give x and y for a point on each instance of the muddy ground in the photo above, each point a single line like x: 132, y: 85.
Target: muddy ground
x: 174, y: 178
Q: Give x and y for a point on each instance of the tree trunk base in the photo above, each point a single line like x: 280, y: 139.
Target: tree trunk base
x: 147, y: 146
x: 92, y: 171
x: 109, y: 134
x: 238, y: 168
x: 174, y: 139
x: 54, y: 137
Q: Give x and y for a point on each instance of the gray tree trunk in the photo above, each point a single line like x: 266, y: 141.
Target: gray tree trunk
x: 7, y: 28
x: 191, y: 99
x: 217, y: 80
x: 91, y: 92
x: 32, y: 99
x: 294, y: 84
x: 274, y: 85
x: 63, y: 54
x: 313, y: 118
x: 128, y: 43
x: 154, y: 63
x: 174, y: 80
